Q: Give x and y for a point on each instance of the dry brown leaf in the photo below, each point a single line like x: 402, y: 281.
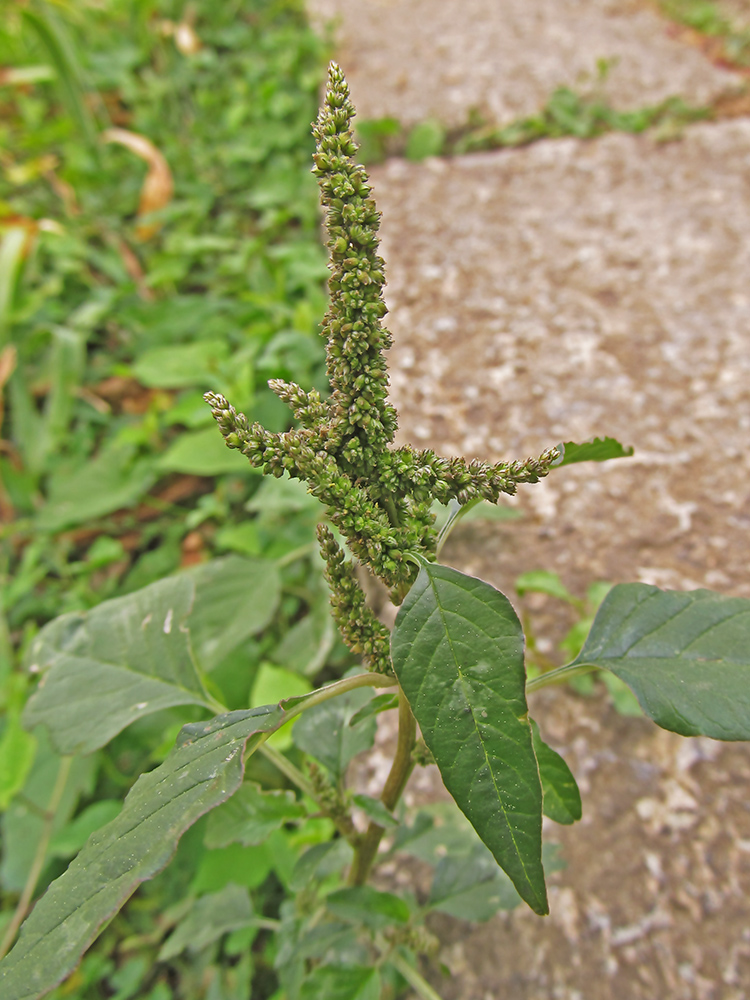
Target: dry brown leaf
x: 8, y: 357
x: 186, y: 40
x: 158, y: 185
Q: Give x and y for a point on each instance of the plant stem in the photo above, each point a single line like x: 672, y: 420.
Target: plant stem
x: 341, y: 687
x: 413, y: 978
x: 403, y: 765
x: 559, y: 675
x: 40, y: 856
x: 288, y: 769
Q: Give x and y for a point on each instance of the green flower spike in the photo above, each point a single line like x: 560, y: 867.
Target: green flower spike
x: 378, y: 496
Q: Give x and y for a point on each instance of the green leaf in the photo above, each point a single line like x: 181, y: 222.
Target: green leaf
x: 12, y: 247
x: 541, y: 581
x: 622, y: 698
x: 23, y: 823
x: 55, y: 40
x: 203, y: 770
x: 562, y: 800
x: 270, y: 686
x: 380, y: 703
x: 181, y: 365
x: 375, y: 810
x: 686, y: 656
x: 320, y: 861
x: 103, y: 669
x: 71, y: 838
x: 363, y: 904
x: 17, y: 749
x: 212, y: 916
x: 342, y: 982
x: 324, y: 731
x: 202, y: 453
x: 114, y: 479
x: 425, y: 139
x: 471, y: 887
x: 457, y: 650
x: 595, y: 450
x: 235, y: 598
x: 251, y: 815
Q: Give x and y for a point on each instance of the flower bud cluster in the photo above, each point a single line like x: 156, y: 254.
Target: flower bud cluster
x: 379, y: 497
x: 332, y: 802
x: 360, y: 629
x: 354, y: 335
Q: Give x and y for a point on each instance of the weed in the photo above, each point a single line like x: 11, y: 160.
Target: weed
x: 453, y: 665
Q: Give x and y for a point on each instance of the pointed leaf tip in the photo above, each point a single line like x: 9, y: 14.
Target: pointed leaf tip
x: 595, y: 450
x: 458, y: 653
x: 685, y: 655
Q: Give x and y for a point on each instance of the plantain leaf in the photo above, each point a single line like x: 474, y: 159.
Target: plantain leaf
x: 457, y: 649
x: 562, y: 800
x: 686, y: 656
x: 203, y: 770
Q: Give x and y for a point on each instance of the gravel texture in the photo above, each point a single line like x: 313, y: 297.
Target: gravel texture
x: 417, y: 59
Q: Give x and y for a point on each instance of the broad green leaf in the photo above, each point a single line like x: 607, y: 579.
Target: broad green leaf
x: 234, y: 864
x: 363, y: 904
x: 457, y: 649
x: 71, y: 838
x: 306, y: 645
x: 562, y: 800
x: 103, y: 669
x: 114, y: 479
x: 471, y: 886
x: 686, y: 656
x: 438, y: 830
x: 282, y: 496
x: 22, y: 825
x: 596, y: 450
x: 324, y: 731
x: 203, y: 770
x: 202, y: 453
x: 211, y: 916
x: 380, y: 703
x: 425, y: 139
x: 320, y: 861
x: 342, y: 982
x: 234, y: 599
x: 17, y: 749
x: 622, y: 698
x: 375, y: 810
x: 271, y: 685
x: 181, y: 365
x: 541, y: 581
x: 251, y: 815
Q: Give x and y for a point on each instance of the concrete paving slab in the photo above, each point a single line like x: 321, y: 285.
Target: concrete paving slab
x: 417, y: 59
x: 556, y: 292
x: 575, y: 289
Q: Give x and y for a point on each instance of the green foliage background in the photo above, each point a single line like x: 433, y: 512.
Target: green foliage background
x: 112, y: 472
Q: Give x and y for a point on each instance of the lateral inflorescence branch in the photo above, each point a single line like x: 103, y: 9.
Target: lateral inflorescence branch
x: 378, y: 496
